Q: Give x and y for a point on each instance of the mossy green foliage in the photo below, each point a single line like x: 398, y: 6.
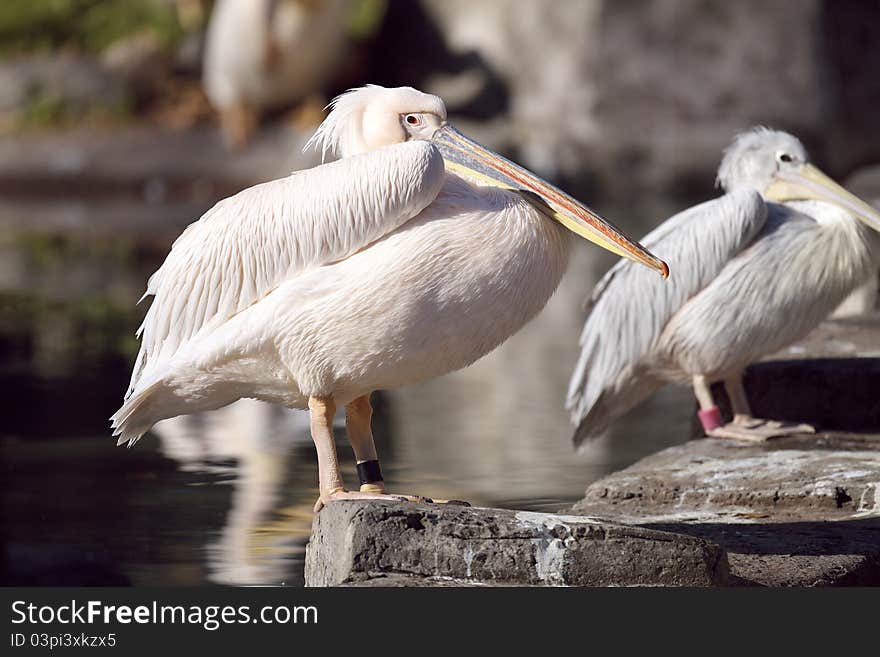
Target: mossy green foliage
x: 46, y: 108
x: 43, y: 108
x: 365, y: 17
x: 50, y: 250
x: 87, y: 25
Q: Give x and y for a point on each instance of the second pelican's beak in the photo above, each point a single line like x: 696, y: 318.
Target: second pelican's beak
x: 806, y: 182
x: 467, y: 157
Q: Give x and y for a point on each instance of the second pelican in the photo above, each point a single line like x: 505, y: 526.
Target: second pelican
x: 755, y: 270
x: 415, y: 254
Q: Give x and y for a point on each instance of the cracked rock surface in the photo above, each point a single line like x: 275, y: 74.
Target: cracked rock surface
x: 380, y: 544
x: 799, y: 511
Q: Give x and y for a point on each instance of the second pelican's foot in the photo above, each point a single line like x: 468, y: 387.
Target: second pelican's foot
x: 744, y: 427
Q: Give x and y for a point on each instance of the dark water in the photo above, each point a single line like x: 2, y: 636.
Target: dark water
x: 226, y: 497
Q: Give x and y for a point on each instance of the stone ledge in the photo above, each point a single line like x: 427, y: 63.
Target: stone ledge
x: 790, y: 478
x: 369, y: 543
x: 799, y: 511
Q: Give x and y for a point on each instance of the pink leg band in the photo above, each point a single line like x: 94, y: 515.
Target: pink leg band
x: 710, y: 418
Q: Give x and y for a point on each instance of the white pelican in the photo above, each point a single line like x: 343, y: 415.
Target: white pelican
x: 263, y: 54
x: 755, y: 270
x: 382, y: 269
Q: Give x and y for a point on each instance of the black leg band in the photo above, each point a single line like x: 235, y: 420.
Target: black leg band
x: 369, y: 472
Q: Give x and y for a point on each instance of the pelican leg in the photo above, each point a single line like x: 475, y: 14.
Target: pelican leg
x: 743, y: 426
x: 358, y: 423
x: 709, y: 413
x: 739, y: 402
x: 331, y: 486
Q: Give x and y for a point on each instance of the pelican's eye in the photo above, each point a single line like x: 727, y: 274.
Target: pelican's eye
x: 785, y: 157
x: 413, y: 119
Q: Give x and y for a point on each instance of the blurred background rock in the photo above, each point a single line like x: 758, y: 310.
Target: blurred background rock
x: 121, y: 121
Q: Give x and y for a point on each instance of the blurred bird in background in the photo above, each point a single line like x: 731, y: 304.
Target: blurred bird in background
x: 754, y: 271
x: 265, y: 54
x: 415, y: 254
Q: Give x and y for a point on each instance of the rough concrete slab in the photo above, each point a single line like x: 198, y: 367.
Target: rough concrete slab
x: 712, y: 478
x: 413, y: 544
x: 800, y: 511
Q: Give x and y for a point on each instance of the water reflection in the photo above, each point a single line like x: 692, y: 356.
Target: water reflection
x: 253, y: 444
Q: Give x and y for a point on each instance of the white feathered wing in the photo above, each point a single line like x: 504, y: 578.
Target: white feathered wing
x: 247, y: 245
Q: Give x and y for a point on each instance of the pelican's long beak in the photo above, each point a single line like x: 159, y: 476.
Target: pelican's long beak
x: 809, y: 183
x: 467, y: 157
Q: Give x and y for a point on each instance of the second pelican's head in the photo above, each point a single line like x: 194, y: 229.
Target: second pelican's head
x: 776, y: 164
x: 373, y: 117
